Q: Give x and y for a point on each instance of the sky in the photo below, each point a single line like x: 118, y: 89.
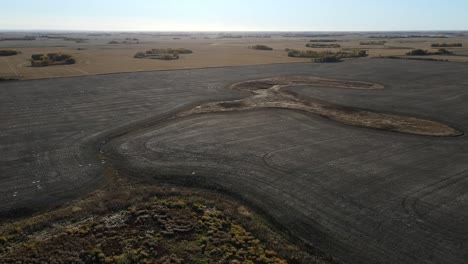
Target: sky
x: 234, y: 15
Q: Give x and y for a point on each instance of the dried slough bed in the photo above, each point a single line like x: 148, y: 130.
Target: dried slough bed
x: 276, y: 93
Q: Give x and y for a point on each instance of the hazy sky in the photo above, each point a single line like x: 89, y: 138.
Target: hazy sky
x: 235, y: 15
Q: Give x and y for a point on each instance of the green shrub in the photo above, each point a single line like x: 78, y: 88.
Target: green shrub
x: 8, y: 52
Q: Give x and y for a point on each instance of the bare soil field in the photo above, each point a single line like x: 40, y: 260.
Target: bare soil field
x: 362, y: 194
x: 95, y: 54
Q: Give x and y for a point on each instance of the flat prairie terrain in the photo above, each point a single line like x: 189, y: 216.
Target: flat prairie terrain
x: 95, y: 55
x: 361, y: 194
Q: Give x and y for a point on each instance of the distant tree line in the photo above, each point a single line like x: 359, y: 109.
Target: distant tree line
x: 19, y: 38
x: 43, y: 60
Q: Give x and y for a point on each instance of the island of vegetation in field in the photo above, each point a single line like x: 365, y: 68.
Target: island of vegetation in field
x: 446, y: 45
x: 126, y: 41
x: 50, y: 59
x: 162, y: 54
x: 326, y: 56
x: 261, y: 47
x: 8, y: 53
x: 372, y: 42
x: 421, y: 52
x: 322, y: 46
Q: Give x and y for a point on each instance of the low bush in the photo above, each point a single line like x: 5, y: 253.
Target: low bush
x: 446, y: 45
x: 8, y: 52
x: 261, y: 47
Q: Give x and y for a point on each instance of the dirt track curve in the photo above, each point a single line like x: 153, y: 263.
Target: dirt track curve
x: 363, y: 195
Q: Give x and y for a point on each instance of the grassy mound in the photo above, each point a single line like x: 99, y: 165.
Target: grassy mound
x: 49, y: 59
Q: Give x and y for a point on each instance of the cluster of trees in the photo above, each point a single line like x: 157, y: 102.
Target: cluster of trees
x: 8, y: 52
x: 126, y: 41
x: 162, y: 54
x: 42, y: 60
x: 313, y: 45
x: 373, y: 42
x: 261, y: 47
x: 326, y: 56
x: 446, y: 45
x: 323, y: 40
x: 169, y: 51
x: 421, y: 52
